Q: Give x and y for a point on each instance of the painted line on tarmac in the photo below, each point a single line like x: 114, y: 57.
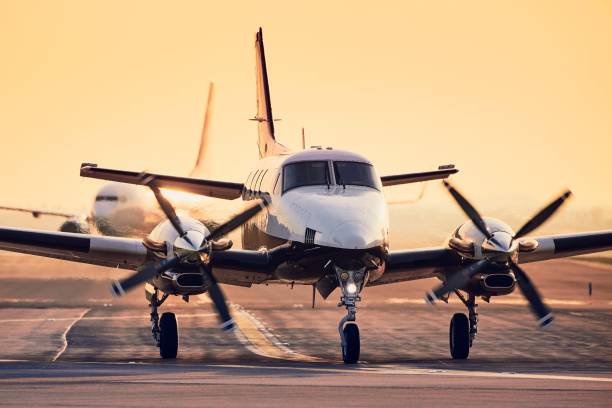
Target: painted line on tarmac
x: 380, y: 370
x: 128, y: 317
x: 65, y: 335
x: 256, y: 337
x: 398, y: 370
x: 497, y: 300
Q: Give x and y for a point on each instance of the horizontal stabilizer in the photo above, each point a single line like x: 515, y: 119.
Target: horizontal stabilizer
x: 210, y: 188
x: 396, y: 179
x: 38, y: 213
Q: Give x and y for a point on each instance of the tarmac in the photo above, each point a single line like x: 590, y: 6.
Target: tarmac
x: 66, y: 341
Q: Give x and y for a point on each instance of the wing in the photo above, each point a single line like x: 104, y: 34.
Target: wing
x: 114, y: 252
x: 211, y: 188
x: 38, y: 213
x: 442, y: 173
x: 561, y: 246
x: 234, y: 267
x: 431, y: 262
x: 417, y: 264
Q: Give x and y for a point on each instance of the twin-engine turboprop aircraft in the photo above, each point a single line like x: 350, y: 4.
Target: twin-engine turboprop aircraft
x: 314, y: 217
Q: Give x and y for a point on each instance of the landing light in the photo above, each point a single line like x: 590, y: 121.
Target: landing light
x: 351, y: 288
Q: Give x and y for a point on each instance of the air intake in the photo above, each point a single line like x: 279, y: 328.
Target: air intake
x: 190, y: 280
x: 498, y: 281
x: 309, y: 236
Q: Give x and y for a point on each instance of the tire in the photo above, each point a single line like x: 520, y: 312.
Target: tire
x: 350, y: 352
x: 168, y: 336
x: 459, y: 336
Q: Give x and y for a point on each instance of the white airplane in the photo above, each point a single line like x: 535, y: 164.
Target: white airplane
x: 126, y: 210
x: 314, y: 217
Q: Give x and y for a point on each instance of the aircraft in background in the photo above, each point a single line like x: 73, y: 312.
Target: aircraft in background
x: 313, y: 217
x: 126, y: 210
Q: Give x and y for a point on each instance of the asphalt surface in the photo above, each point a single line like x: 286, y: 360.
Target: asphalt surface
x: 66, y: 342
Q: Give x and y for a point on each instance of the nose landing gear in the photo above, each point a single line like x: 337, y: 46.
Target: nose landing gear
x: 351, y: 283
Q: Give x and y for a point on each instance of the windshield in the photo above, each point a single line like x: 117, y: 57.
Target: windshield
x: 307, y: 173
x: 355, y: 173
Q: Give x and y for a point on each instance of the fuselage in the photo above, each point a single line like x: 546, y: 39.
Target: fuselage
x: 317, y: 197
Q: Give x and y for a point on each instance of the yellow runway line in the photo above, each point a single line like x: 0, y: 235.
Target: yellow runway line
x: 256, y: 337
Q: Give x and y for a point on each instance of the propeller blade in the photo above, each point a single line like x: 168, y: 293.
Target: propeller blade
x: 468, y: 209
x: 218, y: 299
x: 456, y: 281
x: 143, y: 274
x: 543, y: 215
x: 169, y: 211
x: 237, y: 220
x: 542, y: 312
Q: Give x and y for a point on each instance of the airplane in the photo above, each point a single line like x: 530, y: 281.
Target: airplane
x: 126, y: 210
x: 312, y: 217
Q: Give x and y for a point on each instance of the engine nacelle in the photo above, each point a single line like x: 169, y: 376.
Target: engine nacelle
x: 75, y: 226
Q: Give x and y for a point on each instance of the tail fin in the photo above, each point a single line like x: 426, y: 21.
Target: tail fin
x: 202, y: 166
x: 268, y: 146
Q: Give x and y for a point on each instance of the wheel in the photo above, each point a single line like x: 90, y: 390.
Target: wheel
x: 168, y: 336
x: 350, y: 351
x: 459, y: 336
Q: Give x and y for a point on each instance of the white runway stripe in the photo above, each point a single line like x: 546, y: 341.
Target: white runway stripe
x: 65, y: 335
x: 128, y: 317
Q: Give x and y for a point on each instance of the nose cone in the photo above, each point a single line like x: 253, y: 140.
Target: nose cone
x: 351, y: 218
x: 357, y: 235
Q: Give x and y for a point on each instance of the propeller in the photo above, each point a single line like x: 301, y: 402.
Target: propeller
x: 204, y: 252
x: 468, y: 209
x: 461, y: 278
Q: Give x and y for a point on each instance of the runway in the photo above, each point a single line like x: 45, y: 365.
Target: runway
x: 65, y: 341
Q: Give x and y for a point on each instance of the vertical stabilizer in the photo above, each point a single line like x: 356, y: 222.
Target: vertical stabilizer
x: 202, y: 165
x: 268, y: 146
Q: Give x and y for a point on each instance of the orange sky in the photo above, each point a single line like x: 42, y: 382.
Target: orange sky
x: 517, y: 94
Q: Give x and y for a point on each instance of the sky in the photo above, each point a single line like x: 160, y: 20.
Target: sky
x: 517, y: 94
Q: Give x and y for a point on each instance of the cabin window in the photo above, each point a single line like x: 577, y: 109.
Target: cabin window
x: 356, y: 174
x: 256, y: 180
x: 307, y: 173
x: 107, y: 198
x: 276, y: 183
x: 261, y: 179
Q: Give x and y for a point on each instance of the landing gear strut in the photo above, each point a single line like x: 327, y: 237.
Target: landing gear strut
x: 164, y: 331
x: 463, y: 329
x: 351, y: 283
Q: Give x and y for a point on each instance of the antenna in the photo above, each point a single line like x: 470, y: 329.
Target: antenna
x: 303, y: 140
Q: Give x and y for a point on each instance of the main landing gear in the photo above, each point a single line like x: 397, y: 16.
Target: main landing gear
x: 463, y: 329
x: 351, y: 283
x: 164, y: 330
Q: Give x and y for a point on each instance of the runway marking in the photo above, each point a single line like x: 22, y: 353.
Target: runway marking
x: 257, y: 338
x: 391, y: 370
x: 523, y: 376
x: 65, y: 335
x: 129, y: 317
x: 496, y: 300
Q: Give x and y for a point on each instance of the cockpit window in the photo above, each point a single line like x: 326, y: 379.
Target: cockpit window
x: 306, y: 173
x: 107, y: 198
x: 355, y: 173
